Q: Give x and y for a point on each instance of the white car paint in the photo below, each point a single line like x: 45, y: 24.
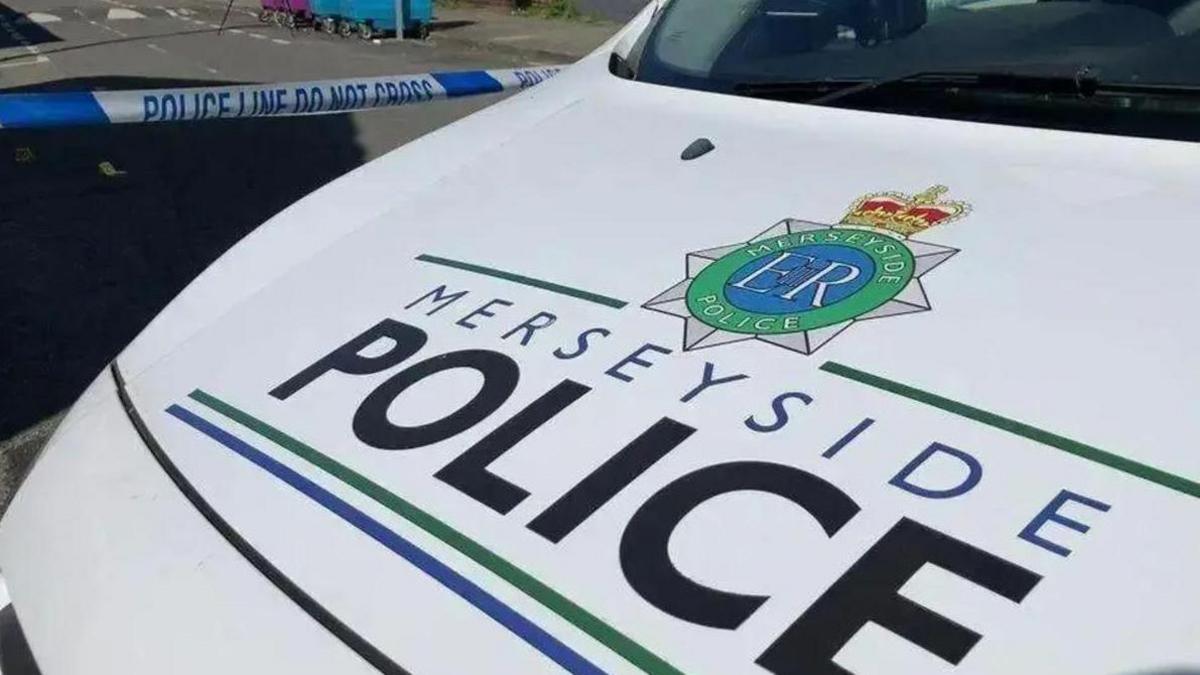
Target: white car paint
x: 1046, y: 315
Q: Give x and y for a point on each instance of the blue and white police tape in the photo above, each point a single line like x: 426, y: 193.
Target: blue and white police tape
x: 257, y: 100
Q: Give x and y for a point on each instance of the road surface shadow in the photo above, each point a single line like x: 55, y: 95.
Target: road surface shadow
x: 437, y: 25
x: 101, y: 226
x: 19, y: 27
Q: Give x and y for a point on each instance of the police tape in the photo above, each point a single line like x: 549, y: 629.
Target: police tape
x: 57, y: 109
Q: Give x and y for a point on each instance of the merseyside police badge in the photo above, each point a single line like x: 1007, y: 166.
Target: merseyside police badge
x: 799, y: 284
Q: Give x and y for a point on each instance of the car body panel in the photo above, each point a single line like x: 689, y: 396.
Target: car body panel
x: 1033, y: 284
x: 112, y: 569
x: 1055, y: 356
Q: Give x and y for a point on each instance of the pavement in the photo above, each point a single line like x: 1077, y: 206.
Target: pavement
x: 101, y: 226
x: 620, y: 11
x: 533, y: 37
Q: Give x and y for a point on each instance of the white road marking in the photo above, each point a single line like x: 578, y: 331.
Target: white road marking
x: 40, y: 58
x: 185, y: 11
x: 512, y: 38
x: 40, y: 18
x: 237, y: 31
x: 211, y: 70
x: 280, y: 42
x: 114, y: 31
x: 170, y: 12
x: 210, y: 25
x: 257, y: 36
x: 120, y: 13
x: 156, y: 48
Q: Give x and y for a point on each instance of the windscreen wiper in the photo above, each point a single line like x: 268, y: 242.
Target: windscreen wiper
x: 1083, y: 84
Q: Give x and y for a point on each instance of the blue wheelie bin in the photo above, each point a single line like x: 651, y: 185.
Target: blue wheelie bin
x: 374, y: 17
x: 326, y: 14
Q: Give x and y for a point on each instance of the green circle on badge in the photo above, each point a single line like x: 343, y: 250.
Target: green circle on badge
x: 800, y: 281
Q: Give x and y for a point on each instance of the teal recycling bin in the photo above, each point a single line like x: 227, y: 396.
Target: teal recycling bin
x: 374, y: 17
x: 326, y: 14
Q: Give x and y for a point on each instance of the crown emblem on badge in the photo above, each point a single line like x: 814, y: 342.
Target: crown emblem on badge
x: 904, y: 214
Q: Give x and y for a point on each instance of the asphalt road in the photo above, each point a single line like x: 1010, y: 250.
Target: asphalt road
x: 150, y: 39
x: 101, y: 226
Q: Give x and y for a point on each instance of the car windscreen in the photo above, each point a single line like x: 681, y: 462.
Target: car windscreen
x: 979, y: 57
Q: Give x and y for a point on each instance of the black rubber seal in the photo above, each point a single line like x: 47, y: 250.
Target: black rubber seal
x: 369, y: 652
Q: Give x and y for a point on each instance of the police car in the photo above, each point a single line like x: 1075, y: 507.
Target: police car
x: 775, y: 336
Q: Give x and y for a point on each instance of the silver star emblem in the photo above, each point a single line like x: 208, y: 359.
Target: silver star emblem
x: 698, y: 335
